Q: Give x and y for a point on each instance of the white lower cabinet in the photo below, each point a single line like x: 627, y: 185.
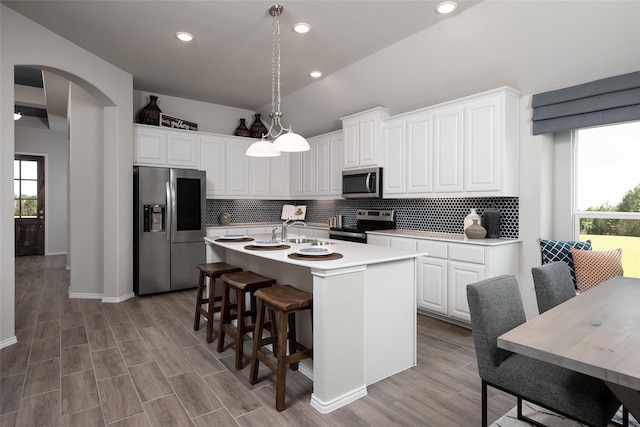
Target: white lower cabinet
x: 442, y: 276
x: 460, y: 275
x: 432, y: 284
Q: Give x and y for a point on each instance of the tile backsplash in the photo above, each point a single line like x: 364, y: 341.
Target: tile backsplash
x: 441, y: 215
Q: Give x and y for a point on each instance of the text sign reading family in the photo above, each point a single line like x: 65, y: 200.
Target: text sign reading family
x: 176, y: 123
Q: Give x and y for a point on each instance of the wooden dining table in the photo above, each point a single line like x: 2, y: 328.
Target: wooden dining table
x: 596, y: 333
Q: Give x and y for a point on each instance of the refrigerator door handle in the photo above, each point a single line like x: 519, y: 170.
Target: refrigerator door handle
x: 169, y: 210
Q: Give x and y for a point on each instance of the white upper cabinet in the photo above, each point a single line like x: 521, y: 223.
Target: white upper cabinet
x: 296, y: 174
x: 407, y: 151
x: 335, y: 163
x: 394, y: 149
x: 155, y: 146
x: 447, y: 149
x: 214, y: 162
x: 467, y: 147
x: 491, y: 144
x: 322, y: 159
x: 361, y: 133
x: 237, y: 168
x: 259, y: 176
x: 281, y: 176
x: 419, y: 154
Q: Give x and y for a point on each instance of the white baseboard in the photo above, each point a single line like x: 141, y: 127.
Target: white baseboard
x: 84, y: 296
x: 9, y: 341
x: 118, y: 299
x: 345, y: 399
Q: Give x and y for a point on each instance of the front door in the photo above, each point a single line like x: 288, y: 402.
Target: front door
x: 28, y: 204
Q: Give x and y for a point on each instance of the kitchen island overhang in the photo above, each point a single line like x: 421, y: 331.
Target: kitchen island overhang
x: 364, y: 312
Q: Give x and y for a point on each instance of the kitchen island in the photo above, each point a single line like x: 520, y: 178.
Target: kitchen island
x: 364, y: 311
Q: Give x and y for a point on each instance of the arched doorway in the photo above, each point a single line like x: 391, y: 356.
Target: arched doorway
x: 104, y: 114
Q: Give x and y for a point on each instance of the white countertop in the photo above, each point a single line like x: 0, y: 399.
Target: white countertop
x: 354, y: 254
x: 445, y: 237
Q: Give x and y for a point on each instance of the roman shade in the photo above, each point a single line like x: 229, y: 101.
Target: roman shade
x: 606, y: 101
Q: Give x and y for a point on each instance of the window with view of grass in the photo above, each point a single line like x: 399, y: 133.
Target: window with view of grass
x: 607, y: 190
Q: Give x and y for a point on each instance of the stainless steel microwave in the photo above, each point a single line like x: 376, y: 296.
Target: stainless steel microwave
x: 362, y: 183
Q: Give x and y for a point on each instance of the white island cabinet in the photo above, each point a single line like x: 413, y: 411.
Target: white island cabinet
x: 358, y: 300
x: 451, y: 264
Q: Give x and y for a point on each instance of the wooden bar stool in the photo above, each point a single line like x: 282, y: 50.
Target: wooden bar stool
x: 282, y: 301
x: 213, y: 271
x: 243, y: 283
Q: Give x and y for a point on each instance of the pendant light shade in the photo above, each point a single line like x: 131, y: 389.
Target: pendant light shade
x: 262, y: 148
x: 284, y: 139
x: 291, y: 142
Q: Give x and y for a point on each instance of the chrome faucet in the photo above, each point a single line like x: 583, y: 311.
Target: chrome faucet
x: 288, y: 223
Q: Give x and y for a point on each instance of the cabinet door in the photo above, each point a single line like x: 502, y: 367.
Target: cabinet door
x: 447, y: 149
x: 482, y: 144
x: 351, y: 136
x: 460, y: 275
x: 335, y: 164
x: 182, y: 151
x: 395, y: 155
x: 259, y: 176
x: 281, y: 175
x: 322, y: 159
x: 237, y: 169
x: 375, y: 239
x: 403, y: 243
x: 308, y: 172
x: 419, y: 154
x: 213, y: 161
x: 432, y: 284
x: 369, y: 130
x: 296, y: 174
x: 149, y: 147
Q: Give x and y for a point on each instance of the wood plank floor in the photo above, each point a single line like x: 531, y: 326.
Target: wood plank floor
x: 139, y: 363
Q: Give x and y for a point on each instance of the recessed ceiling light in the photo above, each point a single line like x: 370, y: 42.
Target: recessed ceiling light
x: 316, y: 74
x: 301, y: 28
x: 17, y: 116
x: 183, y: 36
x: 446, y: 7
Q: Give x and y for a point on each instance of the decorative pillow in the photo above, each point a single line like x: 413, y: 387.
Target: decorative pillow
x: 558, y: 250
x: 594, y: 267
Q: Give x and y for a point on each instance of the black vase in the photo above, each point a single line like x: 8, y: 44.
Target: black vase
x: 491, y: 221
x: 242, y: 129
x: 258, y: 128
x: 150, y: 114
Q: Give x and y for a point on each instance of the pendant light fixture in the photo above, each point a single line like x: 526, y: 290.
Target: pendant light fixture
x: 284, y: 139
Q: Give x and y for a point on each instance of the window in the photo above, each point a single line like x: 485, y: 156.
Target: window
x: 25, y: 188
x: 607, y: 190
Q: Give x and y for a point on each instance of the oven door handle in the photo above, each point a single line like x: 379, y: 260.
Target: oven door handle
x: 337, y: 233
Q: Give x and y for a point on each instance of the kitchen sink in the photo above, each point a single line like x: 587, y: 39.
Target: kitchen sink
x: 321, y: 243
x: 301, y: 240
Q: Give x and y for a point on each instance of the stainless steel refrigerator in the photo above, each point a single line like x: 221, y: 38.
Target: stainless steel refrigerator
x: 169, y: 228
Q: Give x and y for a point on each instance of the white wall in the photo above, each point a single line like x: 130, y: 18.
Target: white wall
x: 23, y: 42
x: 86, y: 214
x: 54, y: 145
x: 213, y: 118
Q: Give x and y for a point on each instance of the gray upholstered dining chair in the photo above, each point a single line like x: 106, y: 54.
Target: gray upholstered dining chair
x: 553, y: 284
x: 496, y: 307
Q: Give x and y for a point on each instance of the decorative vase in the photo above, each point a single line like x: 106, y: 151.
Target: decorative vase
x: 258, y: 128
x: 468, y: 220
x: 475, y: 231
x: 150, y: 114
x: 242, y: 129
x: 491, y: 221
x: 224, y: 218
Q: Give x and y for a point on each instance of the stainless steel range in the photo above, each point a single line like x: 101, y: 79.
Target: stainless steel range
x: 367, y: 220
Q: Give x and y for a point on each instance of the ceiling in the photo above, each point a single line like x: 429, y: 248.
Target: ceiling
x: 229, y: 62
